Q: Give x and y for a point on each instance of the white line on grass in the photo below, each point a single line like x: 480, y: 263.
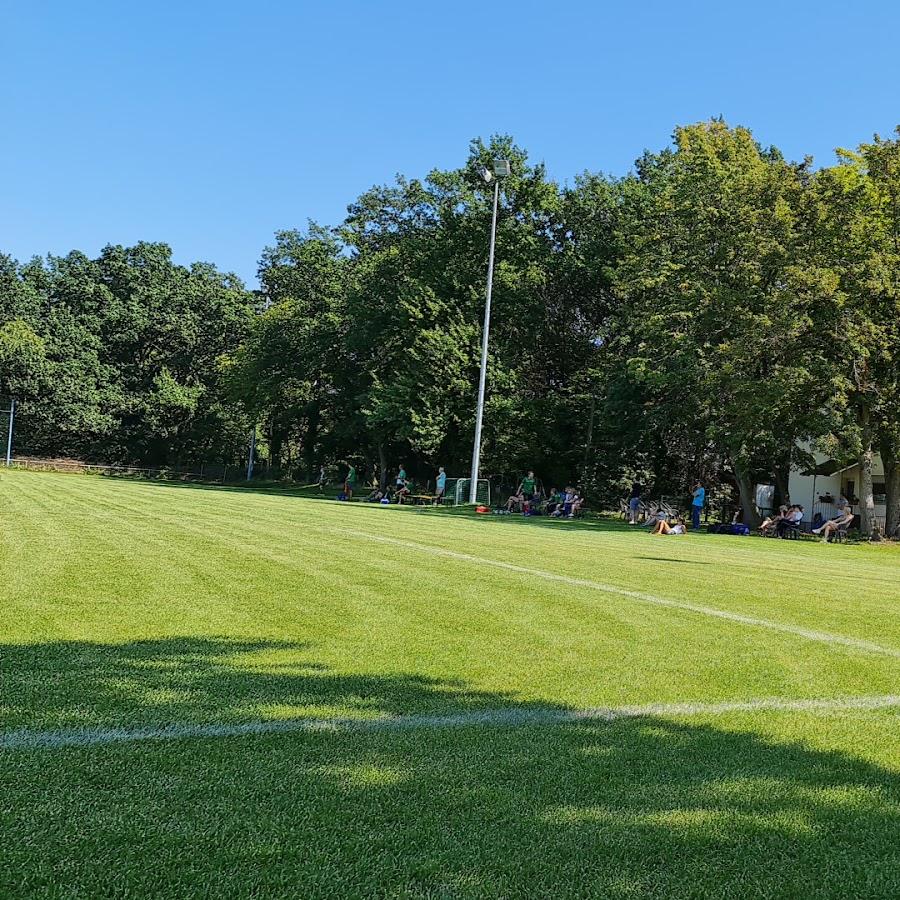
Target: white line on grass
x: 28, y: 739
x: 823, y: 637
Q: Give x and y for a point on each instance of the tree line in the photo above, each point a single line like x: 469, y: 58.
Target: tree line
x: 713, y: 314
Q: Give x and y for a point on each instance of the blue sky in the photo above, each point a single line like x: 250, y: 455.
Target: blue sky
x: 210, y: 125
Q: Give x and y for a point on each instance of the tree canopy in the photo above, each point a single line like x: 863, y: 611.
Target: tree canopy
x: 713, y: 313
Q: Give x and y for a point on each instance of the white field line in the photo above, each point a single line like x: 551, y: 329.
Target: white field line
x: 29, y: 739
x: 823, y: 637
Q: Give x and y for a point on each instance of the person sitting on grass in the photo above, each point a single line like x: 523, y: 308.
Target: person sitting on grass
x: 791, y: 520
x: 770, y: 523
x: 843, y: 520
x: 663, y: 527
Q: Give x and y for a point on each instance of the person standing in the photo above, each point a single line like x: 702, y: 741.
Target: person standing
x: 350, y: 481
x: 440, y: 486
x: 634, y: 503
x: 697, y: 502
x: 321, y: 482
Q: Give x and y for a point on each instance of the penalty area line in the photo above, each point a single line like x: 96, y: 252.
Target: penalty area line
x: 504, y: 717
x: 822, y: 637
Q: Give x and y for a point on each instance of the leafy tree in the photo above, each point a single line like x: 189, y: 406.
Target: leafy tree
x: 859, y: 246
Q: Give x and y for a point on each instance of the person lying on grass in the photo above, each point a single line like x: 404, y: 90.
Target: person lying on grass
x: 664, y: 527
x: 844, y: 520
x: 770, y: 523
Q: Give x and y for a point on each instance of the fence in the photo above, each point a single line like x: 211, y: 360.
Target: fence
x: 204, y: 472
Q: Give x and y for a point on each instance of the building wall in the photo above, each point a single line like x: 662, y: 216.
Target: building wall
x: 806, y: 490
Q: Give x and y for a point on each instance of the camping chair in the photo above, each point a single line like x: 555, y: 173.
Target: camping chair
x: 840, y: 534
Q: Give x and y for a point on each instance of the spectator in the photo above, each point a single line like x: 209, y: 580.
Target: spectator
x: 404, y: 488
x: 791, y: 519
x: 634, y: 503
x: 664, y: 527
x: 400, y: 481
x: 656, y: 516
x: 440, y: 486
x: 771, y: 523
x: 349, y: 481
x: 842, y: 520
x: 517, y: 500
x: 554, y: 498
x: 697, y: 502
x: 526, y: 487
x: 321, y: 482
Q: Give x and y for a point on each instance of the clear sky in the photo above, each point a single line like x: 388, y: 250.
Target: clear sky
x: 210, y: 125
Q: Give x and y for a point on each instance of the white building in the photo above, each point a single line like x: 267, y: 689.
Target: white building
x: 817, y: 489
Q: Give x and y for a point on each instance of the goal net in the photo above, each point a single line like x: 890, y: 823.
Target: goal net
x: 457, y: 491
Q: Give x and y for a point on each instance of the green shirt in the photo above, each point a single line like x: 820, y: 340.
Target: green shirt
x: 351, y: 476
x: 528, y: 485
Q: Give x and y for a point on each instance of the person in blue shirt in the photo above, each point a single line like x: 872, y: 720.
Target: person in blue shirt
x: 697, y: 502
x: 440, y: 486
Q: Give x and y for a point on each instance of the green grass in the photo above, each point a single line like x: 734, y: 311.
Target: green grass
x: 129, y: 604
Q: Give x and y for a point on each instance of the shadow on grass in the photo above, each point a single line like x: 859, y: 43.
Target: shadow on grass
x: 631, y: 808
x: 687, y: 562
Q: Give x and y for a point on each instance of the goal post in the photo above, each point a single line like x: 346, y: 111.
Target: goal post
x: 457, y: 491
x: 7, y: 418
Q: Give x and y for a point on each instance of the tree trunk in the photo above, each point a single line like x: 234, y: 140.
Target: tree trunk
x: 866, y: 494
x: 276, y: 446
x: 782, y: 475
x: 748, y: 497
x: 889, y: 455
x: 382, y: 466
x: 312, y: 435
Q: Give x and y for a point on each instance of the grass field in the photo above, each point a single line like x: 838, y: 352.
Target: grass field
x: 211, y: 692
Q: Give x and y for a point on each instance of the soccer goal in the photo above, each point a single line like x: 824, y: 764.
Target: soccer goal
x: 457, y: 492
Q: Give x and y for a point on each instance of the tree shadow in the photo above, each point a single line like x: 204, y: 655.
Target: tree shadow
x: 83, y: 684
x: 644, y: 807
x: 687, y: 562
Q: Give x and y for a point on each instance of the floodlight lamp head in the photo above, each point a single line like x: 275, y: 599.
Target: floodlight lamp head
x: 501, y: 168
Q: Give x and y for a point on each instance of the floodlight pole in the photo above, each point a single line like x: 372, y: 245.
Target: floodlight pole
x: 252, y: 453
x: 479, y: 411
x: 12, y: 418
